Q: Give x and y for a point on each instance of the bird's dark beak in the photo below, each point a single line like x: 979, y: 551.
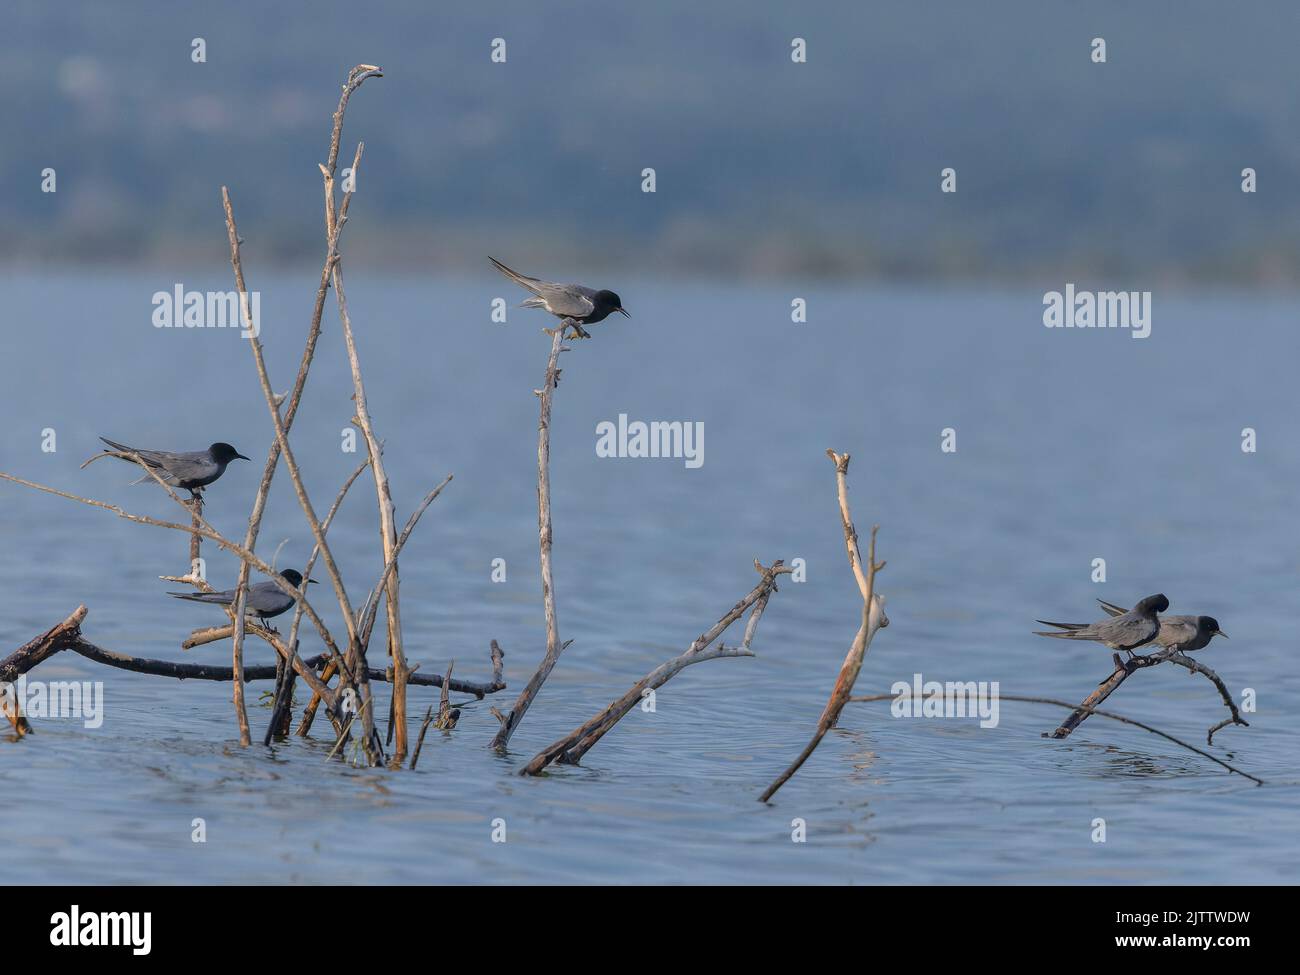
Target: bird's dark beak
x: 242, y: 457
x: 1221, y: 633
x: 312, y: 582
x: 623, y: 312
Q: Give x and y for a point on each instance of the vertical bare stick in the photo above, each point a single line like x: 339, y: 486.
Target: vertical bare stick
x: 387, y: 522
x: 355, y: 78
x: 196, y: 540
x: 294, y: 473
x: 510, y: 721
x: 309, y: 714
x: 873, y: 618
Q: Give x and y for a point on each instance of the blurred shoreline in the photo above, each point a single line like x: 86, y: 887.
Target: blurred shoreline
x: 842, y: 262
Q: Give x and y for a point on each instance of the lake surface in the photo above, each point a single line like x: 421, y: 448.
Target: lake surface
x: 1072, y: 445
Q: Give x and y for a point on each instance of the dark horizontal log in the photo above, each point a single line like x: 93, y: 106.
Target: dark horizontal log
x: 187, y: 671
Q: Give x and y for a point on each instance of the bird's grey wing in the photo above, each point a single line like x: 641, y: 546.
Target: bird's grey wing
x: 222, y: 598
x: 1112, y: 609
x: 567, y: 300
x: 1127, y: 630
x: 267, y: 597
x: 193, y: 466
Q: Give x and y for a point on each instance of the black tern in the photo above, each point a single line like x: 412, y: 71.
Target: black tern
x: 1182, y: 633
x: 1127, y: 631
x: 191, y: 470
x: 577, y: 304
x: 264, y: 600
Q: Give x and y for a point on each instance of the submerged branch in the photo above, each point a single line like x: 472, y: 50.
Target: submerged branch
x: 1104, y: 714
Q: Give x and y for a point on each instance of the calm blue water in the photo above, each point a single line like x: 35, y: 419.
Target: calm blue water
x: 1071, y: 446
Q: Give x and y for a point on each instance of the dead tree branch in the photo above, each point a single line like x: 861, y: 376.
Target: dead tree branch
x: 570, y: 749
x: 510, y: 721
x: 1124, y: 669
x: 873, y: 619
x: 356, y: 77
x: 31, y: 653
x: 207, y: 532
x: 1104, y: 714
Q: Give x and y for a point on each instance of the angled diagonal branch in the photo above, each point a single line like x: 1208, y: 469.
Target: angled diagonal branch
x: 873, y: 619
x: 570, y: 749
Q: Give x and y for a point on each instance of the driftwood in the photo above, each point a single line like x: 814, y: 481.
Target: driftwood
x: 1123, y: 670
x: 356, y: 77
x: 349, y: 664
x: 56, y: 638
x: 188, y: 671
x: 1105, y: 714
x: 570, y: 749
x: 510, y: 720
x: 873, y: 619
x: 66, y: 636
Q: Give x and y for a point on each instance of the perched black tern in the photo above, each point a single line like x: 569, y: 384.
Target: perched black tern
x: 264, y: 600
x: 191, y: 470
x: 1182, y: 633
x: 578, y: 304
x: 1127, y: 631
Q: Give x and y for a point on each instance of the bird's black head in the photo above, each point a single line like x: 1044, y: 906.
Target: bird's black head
x: 612, y: 302
x: 293, y: 577
x: 1153, y: 604
x: 223, y: 453
x: 1210, y: 625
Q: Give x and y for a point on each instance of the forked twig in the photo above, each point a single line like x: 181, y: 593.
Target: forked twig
x: 873, y: 619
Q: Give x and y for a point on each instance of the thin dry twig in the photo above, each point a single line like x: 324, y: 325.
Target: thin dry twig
x: 309, y: 713
x: 873, y: 619
x: 510, y: 721
x: 207, y: 532
x: 356, y: 77
x: 371, y: 608
x: 570, y: 749
x: 1104, y: 714
x: 387, y: 519
x: 304, y: 501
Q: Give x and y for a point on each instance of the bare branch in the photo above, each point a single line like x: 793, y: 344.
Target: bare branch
x: 207, y: 532
x: 1104, y: 714
x: 873, y: 619
x: 46, y: 645
x: 1123, y: 669
x: 510, y: 721
x: 371, y: 608
x: 570, y: 749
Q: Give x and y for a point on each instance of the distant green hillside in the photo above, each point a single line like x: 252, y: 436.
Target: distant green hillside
x: 763, y: 166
